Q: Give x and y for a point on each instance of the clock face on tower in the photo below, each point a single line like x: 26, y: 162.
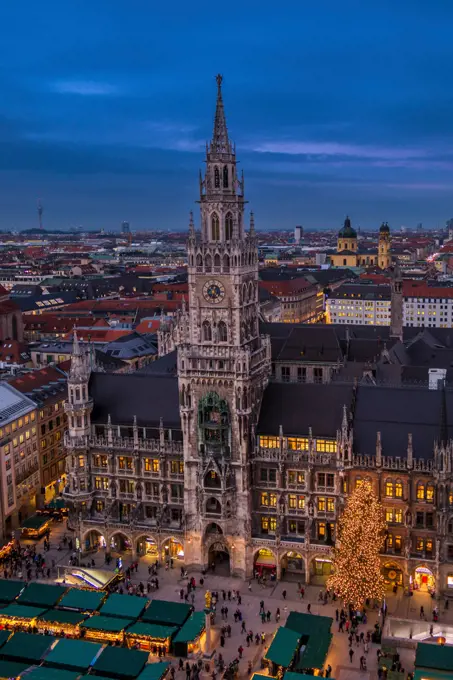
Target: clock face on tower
x: 214, y: 291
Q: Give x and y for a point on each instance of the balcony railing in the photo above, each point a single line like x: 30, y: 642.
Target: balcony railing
x: 124, y: 444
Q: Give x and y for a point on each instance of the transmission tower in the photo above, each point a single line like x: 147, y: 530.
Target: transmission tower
x: 40, y: 211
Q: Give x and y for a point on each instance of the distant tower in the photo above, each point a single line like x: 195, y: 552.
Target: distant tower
x: 384, y: 258
x: 396, y: 309
x: 125, y: 228
x: 40, y: 212
x: 298, y: 234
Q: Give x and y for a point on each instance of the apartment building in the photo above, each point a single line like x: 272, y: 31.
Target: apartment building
x: 427, y: 306
x: 359, y: 304
x: 19, y: 463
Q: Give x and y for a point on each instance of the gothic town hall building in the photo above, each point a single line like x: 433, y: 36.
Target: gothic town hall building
x: 221, y: 462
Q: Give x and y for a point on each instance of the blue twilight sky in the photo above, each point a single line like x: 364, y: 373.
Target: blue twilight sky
x: 335, y: 107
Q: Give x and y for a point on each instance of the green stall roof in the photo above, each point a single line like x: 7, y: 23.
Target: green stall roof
x: 152, y: 630
x: 110, y: 624
x: 11, y: 669
x: 4, y: 635
x: 315, y: 636
x: 61, y: 616
x: 283, y: 647
x: 307, y: 624
x: 431, y: 675
x: 42, y: 594
x: 78, y: 655
x: 192, y: 628
x: 167, y: 613
x: 434, y: 656
x: 56, y: 504
x: 43, y: 673
x: 22, y: 611
x: 35, y: 522
x: 82, y: 600
x: 9, y: 590
x: 155, y: 671
x: 128, y: 606
x: 26, y: 647
x: 119, y: 662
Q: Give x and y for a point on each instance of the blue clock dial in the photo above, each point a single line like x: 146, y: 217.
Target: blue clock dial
x: 213, y: 291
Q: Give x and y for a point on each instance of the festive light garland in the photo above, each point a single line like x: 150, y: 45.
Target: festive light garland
x: 361, y: 534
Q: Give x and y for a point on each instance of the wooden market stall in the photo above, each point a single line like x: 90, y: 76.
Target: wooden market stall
x: 104, y: 629
x: 60, y: 622
x: 155, y: 671
x: 26, y: 648
x: 167, y: 613
x: 20, y: 616
x: 190, y: 637
x: 151, y: 637
x: 10, y: 590
x: 316, y: 637
x: 124, y: 606
x: 42, y: 595
x: 283, y: 650
x: 82, y: 600
x: 120, y: 663
x: 35, y: 526
x: 73, y: 655
x: 43, y: 673
x: 12, y: 669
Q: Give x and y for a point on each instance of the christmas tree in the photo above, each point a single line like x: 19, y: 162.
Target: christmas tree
x: 361, y: 533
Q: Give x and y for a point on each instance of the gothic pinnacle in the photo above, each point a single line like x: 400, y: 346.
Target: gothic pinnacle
x: 252, y: 224
x: 220, y: 142
x: 191, y: 225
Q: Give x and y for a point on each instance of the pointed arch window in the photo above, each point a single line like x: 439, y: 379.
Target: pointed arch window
x: 215, y: 227
x: 207, y: 331
x: 208, y: 263
x: 228, y: 226
x: 216, y: 177
x: 225, y: 177
x: 223, y: 333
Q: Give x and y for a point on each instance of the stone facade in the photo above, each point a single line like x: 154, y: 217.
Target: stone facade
x: 226, y: 480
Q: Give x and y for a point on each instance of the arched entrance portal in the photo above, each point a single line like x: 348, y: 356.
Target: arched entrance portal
x: 219, y: 559
x: 424, y: 580
x: 147, y: 546
x: 93, y: 541
x: 265, y: 563
x: 322, y: 568
x: 293, y: 567
x: 120, y: 543
x: 393, y: 574
x: 172, y: 549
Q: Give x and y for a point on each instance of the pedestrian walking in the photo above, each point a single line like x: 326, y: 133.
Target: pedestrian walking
x: 351, y: 655
x: 284, y: 594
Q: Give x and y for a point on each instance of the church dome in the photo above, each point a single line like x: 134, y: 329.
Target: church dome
x: 347, y: 231
x: 384, y: 228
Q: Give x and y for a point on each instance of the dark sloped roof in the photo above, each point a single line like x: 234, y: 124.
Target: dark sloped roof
x: 123, y: 396
x: 395, y: 412
x: 311, y: 343
x: 299, y: 406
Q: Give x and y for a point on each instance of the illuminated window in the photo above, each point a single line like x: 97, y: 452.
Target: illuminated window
x: 122, y: 463
x: 321, y: 504
x: 321, y: 529
x: 298, y: 443
x: 389, y: 541
x: 97, y: 482
x: 389, y: 515
x: 420, y: 544
x: 265, y: 523
x: 176, y: 466
x: 105, y: 483
x: 398, y: 489
x: 398, y: 516
x: 330, y: 505
x: 155, y: 465
x: 430, y: 493
x: 358, y: 482
x: 389, y: 489
x: 81, y: 461
x: 272, y: 524
x: 326, y: 446
x: 99, y: 506
x: 273, y: 500
x: 420, y: 491
x: 292, y: 501
x: 269, y: 442
x: 301, y: 502
x: 264, y: 499
x: 429, y: 545
x: 398, y: 543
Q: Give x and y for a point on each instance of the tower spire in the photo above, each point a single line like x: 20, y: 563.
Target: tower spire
x: 220, y: 142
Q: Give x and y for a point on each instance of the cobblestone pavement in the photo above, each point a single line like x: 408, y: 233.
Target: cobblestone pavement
x: 170, y: 584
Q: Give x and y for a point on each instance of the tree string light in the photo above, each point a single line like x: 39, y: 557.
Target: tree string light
x: 357, y: 567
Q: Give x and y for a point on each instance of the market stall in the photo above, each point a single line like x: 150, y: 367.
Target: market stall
x: 59, y: 622
x: 283, y: 650
x: 155, y: 671
x: 12, y: 669
x: 434, y: 658
x: 35, y: 526
x: 151, y: 637
x: 73, y: 655
x: 41, y: 595
x: 120, y: 663
x: 167, y: 613
x: 43, y: 673
x: 19, y: 616
x: 26, y: 648
x: 82, y: 600
x: 190, y: 638
x: 124, y: 606
x: 104, y: 629
x: 315, y: 637
x: 10, y: 590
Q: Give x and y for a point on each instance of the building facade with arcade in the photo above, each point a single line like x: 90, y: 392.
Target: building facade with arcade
x: 217, y: 462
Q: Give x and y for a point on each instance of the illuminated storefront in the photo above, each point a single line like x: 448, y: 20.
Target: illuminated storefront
x: 172, y: 548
